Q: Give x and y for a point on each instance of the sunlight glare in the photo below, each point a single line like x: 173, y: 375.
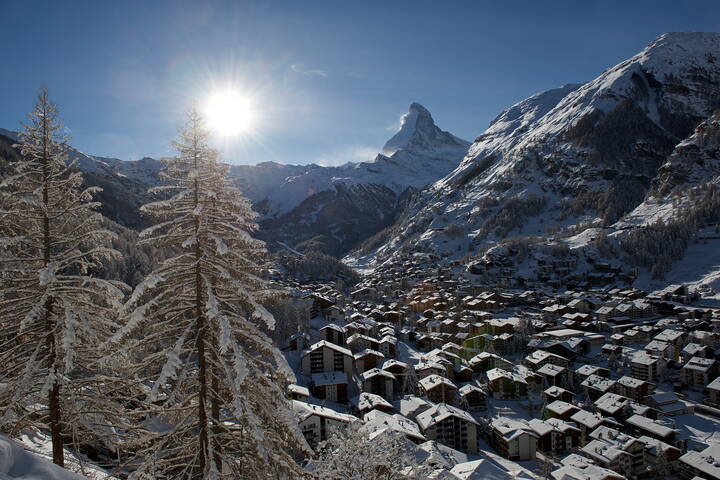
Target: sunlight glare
x: 228, y: 113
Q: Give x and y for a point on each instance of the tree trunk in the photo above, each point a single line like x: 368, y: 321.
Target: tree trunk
x: 202, y: 377
x: 215, y: 412
x: 200, y: 345
x: 215, y: 403
x: 54, y: 393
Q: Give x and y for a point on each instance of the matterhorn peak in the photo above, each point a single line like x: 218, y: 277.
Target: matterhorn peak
x: 418, y: 133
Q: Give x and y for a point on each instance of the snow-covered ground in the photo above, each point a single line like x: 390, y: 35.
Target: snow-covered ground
x: 699, y: 269
x: 31, y: 459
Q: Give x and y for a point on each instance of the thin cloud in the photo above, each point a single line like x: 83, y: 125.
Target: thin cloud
x: 309, y: 72
x: 351, y: 153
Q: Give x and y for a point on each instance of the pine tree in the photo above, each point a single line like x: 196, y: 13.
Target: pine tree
x: 197, y: 327
x: 53, y: 312
x: 349, y: 454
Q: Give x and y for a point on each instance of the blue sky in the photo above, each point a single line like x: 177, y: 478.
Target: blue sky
x: 328, y: 80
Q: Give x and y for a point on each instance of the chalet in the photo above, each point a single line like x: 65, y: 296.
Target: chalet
x: 594, y: 386
x: 452, y: 348
x: 561, y: 410
x: 613, y: 405
x: 514, y: 439
x: 648, y: 367
x: 298, y: 342
x: 395, y: 317
x: 298, y: 392
x: 367, y: 360
x: 702, y: 464
x: 667, y: 404
x: 535, y: 381
x: 554, y: 375
x: 503, y: 343
x: 377, y: 421
x: 450, y: 426
x: 506, y: 385
x: 364, y: 293
x: 484, y: 361
x: 568, y: 348
x: 431, y: 367
x: 634, y: 388
x: 660, y: 349
x: 378, y: 382
x: 611, y: 350
x: 587, y: 422
x: 538, y: 358
x: 658, y: 429
x: 473, y: 398
x: 324, y: 356
x: 447, y: 355
x: 555, y: 436
x: 330, y: 386
x: 581, y: 305
x: 576, y: 467
x: 557, y: 393
x: 713, y: 389
x: 676, y: 338
x: 672, y: 293
x: 388, y: 346
x: 319, y: 304
x: 583, y: 372
x: 356, y: 327
x: 696, y: 350
x: 662, y: 458
x: 358, y: 342
x: 333, y: 334
x: 462, y: 373
x: 477, y: 470
x: 616, y: 440
x: 608, y: 456
x: 699, y: 372
x: 605, y: 313
x: 400, y: 370
x: 318, y: 423
x: 439, y: 389
x: 366, y: 402
x: 555, y: 311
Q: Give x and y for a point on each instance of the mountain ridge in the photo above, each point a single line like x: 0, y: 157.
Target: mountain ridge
x: 579, y: 153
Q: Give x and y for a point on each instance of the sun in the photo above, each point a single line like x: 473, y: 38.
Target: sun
x: 229, y: 113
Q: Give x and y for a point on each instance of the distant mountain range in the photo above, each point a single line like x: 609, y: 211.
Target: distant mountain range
x: 331, y: 209
x: 606, y: 159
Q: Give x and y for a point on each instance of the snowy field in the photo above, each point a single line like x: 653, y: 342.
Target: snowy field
x: 31, y: 459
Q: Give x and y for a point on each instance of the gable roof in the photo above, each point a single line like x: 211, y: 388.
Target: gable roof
x: 326, y: 344
x: 440, y: 412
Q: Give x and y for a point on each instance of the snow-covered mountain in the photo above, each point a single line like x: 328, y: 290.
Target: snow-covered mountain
x: 416, y: 156
x: 674, y: 233
x: 334, y: 208
x: 125, y: 183
x: 579, y: 153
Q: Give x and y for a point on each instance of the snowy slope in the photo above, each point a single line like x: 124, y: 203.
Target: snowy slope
x: 17, y: 463
x: 578, y: 153
x: 685, y: 195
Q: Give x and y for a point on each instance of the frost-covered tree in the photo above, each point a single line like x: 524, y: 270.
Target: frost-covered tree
x: 53, y: 312
x: 216, y: 406
x: 351, y: 454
